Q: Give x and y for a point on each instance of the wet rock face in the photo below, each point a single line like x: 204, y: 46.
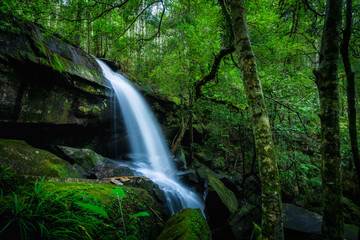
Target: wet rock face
x: 49, y: 89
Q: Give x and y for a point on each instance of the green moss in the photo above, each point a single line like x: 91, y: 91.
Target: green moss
x: 42, y: 48
x: 86, y: 158
x: 57, y: 206
x: 102, y: 192
x: 226, y: 196
x: 27, y: 160
x: 56, y: 64
x: 189, y: 224
x: 91, y: 110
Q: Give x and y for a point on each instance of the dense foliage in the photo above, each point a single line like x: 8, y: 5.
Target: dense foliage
x: 65, y: 210
x: 171, y: 44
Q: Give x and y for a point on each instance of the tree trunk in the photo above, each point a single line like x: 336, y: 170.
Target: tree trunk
x: 326, y: 77
x: 351, y: 91
x: 272, y: 222
x: 191, y: 130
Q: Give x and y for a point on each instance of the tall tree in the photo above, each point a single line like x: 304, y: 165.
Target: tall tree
x: 272, y: 222
x: 351, y: 90
x: 326, y: 77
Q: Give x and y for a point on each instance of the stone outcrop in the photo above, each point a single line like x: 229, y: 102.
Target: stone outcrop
x: 220, y: 202
x: 27, y: 160
x: 48, y: 87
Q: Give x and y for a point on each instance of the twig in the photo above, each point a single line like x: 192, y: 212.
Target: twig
x: 137, y: 16
x: 291, y: 109
x: 313, y: 10
x: 155, y: 213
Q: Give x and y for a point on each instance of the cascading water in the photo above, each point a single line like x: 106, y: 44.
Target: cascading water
x: 149, y: 150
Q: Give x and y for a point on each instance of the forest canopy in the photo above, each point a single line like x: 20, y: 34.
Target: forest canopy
x: 184, y: 49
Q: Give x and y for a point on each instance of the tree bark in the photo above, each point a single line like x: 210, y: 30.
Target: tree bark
x: 351, y: 90
x: 326, y: 77
x: 272, y: 222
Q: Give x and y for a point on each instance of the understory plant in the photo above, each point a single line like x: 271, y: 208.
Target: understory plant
x: 40, y: 212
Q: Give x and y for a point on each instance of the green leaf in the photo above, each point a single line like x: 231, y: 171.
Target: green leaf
x: 119, y: 192
x: 93, y: 208
x: 139, y: 214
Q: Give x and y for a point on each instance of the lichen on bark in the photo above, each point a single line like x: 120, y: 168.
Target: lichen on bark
x: 272, y: 222
x: 326, y: 77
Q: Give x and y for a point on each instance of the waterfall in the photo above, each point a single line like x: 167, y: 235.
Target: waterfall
x: 149, y: 151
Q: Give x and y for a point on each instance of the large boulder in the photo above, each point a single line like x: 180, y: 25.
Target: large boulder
x: 27, y: 160
x: 188, y: 224
x: 300, y: 223
x: 86, y: 160
x: 50, y: 91
x: 220, y: 202
x: 241, y: 223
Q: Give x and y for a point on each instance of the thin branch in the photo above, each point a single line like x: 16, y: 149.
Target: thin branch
x: 142, y: 11
x: 224, y: 102
x: 291, y: 109
x: 228, y: 20
x: 313, y: 10
x: 91, y: 19
x: 233, y: 60
x: 157, y: 34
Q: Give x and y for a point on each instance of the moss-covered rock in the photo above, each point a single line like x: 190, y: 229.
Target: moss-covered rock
x: 77, y: 209
x: 27, y: 160
x: 48, y: 84
x: 85, y: 158
x: 98, y: 189
x: 188, y: 224
x: 241, y: 223
x: 220, y: 202
x: 135, y: 200
x: 226, y: 196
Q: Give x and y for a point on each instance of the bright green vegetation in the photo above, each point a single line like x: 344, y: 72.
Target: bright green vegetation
x: 226, y: 196
x: 66, y: 210
x: 189, y: 224
x: 177, y: 59
x: 28, y: 160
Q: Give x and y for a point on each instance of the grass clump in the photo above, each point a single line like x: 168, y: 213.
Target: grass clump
x: 63, y: 210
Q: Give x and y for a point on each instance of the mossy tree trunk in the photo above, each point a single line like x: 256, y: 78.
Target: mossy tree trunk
x: 351, y: 90
x: 326, y: 77
x: 272, y: 222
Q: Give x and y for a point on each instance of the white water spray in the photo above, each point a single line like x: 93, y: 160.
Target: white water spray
x: 149, y: 150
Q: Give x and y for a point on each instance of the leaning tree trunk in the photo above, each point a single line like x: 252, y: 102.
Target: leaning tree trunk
x: 326, y: 77
x: 272, y: 222
x: 351, y: 90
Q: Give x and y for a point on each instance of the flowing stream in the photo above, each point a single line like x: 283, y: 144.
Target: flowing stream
x: 149, y: 151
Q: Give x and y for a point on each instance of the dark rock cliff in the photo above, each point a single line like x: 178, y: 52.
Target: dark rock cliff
x: 50, y: 91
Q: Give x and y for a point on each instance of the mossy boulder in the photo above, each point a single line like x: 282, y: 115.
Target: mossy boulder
x: 188, y: 224
x: 85, y: 159
x: 27, y: 160
x: 241, y: 223
x: 220, y: 202
x: 83, y: 209
x: 50, y: 90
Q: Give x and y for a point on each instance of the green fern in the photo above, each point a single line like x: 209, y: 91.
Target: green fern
x: 93, y: 208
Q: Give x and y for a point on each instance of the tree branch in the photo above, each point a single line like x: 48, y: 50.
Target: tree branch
x: 291, y: 109
x: 215, y: 67
x: 159, y: 27
x: 137, y: 16
x: 224, y: 102
x: 228, y: 20
x: 313, y: 10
